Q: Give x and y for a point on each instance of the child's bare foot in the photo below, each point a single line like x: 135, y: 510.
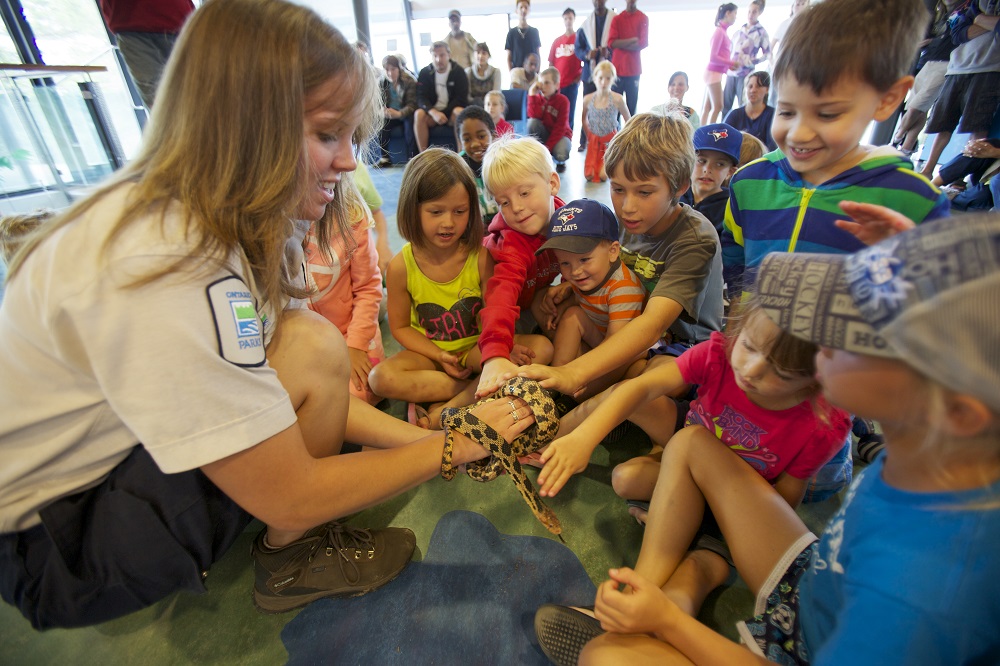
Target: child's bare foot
x: 638, y: 510
x: 416, y: 414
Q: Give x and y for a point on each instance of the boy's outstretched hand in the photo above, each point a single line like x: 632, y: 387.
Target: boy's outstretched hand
x: 495, y: 372
x: 562, y: 379
x: 563, y: 458
x: 642, y: 609
x: 871, y: 223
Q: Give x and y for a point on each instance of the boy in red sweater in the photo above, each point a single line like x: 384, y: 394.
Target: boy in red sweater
x: 518, y: 172
x: 548, y: 116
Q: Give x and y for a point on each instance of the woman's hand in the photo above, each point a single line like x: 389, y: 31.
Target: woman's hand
x: 872, y: 223
x: 499, y: 416
x: 361, y: 365
x: 452, y: 365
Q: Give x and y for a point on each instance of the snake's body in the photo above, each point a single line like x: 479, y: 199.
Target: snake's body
x: 503, y: 455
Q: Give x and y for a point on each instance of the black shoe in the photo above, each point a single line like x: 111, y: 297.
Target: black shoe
x: 582, y: 148
x: 562, y: 632
x: 332, y: 560
x: 560, y: 167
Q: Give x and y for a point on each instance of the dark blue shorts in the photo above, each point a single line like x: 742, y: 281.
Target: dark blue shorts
x: 122, y: 545
x: 776, y: 631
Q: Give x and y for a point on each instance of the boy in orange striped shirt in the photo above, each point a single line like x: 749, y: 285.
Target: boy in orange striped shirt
x: 583, y: 234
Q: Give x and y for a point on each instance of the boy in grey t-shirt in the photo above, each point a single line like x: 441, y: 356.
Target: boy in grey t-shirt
x: 673, y: 249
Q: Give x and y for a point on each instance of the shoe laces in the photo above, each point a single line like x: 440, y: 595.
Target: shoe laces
x: 351, y: 545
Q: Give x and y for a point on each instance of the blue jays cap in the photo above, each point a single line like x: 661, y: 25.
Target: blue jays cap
x: 579, y: 227
x: 721, y: 137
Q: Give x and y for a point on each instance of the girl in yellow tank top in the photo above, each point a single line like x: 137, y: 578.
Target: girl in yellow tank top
x: 435, y: 284
x: 435, y: 291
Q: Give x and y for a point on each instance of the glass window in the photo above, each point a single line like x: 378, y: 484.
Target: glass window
x: 70, y: 32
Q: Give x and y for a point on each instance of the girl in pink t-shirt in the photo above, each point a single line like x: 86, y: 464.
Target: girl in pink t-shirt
x: 719, y: 62
x: 757, y: 392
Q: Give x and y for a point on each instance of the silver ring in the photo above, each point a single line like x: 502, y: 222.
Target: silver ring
x: 513, y: 407
x: 515, y: 415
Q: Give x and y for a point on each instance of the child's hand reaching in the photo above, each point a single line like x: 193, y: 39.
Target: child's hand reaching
x: 563, y: 458
x: 549, y: 306
x: 361, y: 365
x: 495, y: 372
x: 452, y: 365
x: 641, y: 609
x: 521, y: 355
x: 872, y: 223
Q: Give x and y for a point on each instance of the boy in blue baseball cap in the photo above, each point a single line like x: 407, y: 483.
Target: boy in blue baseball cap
x: 583, y: 234
x: 717, y: 154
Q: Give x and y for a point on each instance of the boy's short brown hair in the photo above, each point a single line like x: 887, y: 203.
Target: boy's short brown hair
x: 651, y: 145
x: 551, y: 72
x: 878, y: 48
x: 751, y: 149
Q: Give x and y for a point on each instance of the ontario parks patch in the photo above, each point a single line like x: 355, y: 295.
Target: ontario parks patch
x: 237, y: 326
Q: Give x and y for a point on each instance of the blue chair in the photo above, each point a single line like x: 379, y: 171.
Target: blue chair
x: 442, y: 136
x: 517, y: 109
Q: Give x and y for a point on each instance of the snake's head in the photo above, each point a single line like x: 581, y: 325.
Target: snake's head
x: 548, y: 518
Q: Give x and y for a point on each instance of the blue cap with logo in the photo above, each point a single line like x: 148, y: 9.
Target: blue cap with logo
x: 721, y: 137
x: 579, y: 227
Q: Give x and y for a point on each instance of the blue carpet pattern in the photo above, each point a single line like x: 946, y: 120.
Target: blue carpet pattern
x: 471, y: 600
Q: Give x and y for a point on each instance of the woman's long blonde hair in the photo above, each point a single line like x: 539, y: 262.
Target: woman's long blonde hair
x: 225, y: 140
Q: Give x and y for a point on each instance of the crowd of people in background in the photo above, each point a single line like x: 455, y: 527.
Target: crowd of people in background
x: 771, y: 283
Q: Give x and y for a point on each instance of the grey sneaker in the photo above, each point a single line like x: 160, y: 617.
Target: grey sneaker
x: 332, y: 560
x: 563, y: 631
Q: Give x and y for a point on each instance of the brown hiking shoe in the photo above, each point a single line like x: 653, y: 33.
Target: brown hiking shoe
x: 332, y: 560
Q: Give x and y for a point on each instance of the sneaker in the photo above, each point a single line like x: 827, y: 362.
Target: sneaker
x: 331, y: 560
x: 560, y: 167
x: 870, y: 441
x: 619, y: 432
x: 562, y: 632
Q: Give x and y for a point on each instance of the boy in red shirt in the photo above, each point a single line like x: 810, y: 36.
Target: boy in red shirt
x: 562, y: 56
x: 629, y: 35
x: 548, y: 116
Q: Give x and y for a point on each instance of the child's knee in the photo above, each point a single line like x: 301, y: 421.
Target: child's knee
x: 633, y: 479
x: 380, y: 378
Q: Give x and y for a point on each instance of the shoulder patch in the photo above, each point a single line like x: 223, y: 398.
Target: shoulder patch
x: 237, y: 327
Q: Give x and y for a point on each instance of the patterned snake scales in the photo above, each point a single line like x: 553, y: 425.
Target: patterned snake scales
x: 503, y: 455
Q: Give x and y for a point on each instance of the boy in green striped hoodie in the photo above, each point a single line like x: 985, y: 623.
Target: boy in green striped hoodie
x: 831, y: 84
